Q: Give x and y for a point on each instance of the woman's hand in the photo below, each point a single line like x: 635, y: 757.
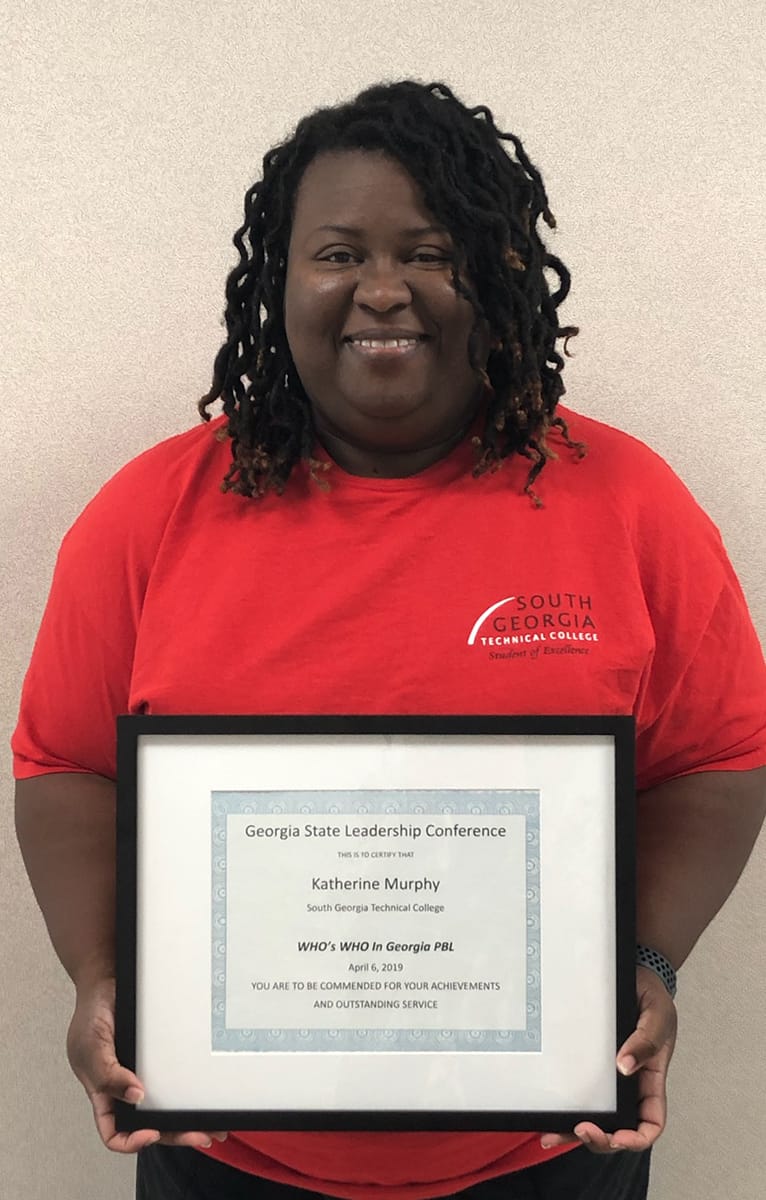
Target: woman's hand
x: 648, y: 1052
x: 92, y: 1057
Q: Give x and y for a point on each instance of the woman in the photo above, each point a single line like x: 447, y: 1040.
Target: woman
x: 391, y: 345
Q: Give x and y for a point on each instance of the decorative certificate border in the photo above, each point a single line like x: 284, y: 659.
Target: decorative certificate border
x: 392, y: 803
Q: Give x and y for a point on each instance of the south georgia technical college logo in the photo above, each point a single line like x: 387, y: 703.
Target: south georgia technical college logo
x: 532, y: 624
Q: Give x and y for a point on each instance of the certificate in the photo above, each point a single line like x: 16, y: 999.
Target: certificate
x: 375, y: 922
x: 374, y: 897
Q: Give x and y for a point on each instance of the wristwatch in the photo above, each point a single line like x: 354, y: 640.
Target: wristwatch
x: 646, y: 957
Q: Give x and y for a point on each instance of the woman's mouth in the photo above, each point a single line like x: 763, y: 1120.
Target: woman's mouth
x: 386, y: 349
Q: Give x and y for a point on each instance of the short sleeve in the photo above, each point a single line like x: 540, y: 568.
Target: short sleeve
x: 79, y: 675
x: 78, y: 678
x: 702, y: 705
x: 714, y: 718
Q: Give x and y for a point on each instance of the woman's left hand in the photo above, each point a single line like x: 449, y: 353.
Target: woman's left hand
x: 647, y: 1052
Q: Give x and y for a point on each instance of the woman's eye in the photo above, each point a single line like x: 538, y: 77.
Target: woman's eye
x: 347, y: 254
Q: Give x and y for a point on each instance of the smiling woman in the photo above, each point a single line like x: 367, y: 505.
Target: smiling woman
x: 433, y: 237
x: 392, y: 337
x: 380, y: 341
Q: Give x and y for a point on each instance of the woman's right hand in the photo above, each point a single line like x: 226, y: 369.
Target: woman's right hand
x: 92, y: 1057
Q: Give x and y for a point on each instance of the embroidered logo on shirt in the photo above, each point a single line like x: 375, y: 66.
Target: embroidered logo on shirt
x: 551, y: 622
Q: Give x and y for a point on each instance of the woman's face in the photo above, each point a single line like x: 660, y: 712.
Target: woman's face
x: 387, y: 273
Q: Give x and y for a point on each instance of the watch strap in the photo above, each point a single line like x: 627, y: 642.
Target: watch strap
x: 646, y: 957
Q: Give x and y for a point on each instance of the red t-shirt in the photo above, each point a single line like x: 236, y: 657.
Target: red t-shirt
x: 435, y: 594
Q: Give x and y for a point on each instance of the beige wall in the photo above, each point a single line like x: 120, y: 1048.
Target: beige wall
x: 131, y: 132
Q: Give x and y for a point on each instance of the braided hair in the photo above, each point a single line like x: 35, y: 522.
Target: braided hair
x: 490, y: 205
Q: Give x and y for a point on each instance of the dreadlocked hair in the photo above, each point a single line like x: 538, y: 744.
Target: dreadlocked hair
x: 489, y: 202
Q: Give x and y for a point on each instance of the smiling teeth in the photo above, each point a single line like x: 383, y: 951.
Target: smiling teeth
x: 375, y: 345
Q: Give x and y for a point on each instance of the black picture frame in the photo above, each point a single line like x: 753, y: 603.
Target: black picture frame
x: 176, y: 739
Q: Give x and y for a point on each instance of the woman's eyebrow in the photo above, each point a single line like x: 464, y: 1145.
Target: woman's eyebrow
x: 418, y: 231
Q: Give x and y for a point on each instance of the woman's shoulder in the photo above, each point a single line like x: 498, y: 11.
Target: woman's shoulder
x: 606, y: 442
x: 620, y: 464
x: 174, y: 457
x: 624, y: 479
x: 137, y: 501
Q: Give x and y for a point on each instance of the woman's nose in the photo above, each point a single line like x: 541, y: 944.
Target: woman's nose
x: 382, y: 279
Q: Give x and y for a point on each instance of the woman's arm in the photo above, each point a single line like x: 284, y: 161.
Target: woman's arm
x: 65, y: 825
x: 694, y: 837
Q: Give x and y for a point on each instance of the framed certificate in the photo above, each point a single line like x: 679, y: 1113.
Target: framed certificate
x: 375, y: 922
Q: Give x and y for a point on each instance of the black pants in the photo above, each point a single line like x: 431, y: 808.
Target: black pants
x: 167, y: 1173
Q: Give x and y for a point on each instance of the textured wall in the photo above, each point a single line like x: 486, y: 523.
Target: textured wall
x: 129, y: 135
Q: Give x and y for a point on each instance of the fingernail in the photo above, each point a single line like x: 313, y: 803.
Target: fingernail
x: 546, y: 1143
x: 626, y: 1065
x: 133, y: 1095
x: 614, y: 1146
x: 220, y: 1137
x: 584, y: 1138
x: 207, y: 1144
